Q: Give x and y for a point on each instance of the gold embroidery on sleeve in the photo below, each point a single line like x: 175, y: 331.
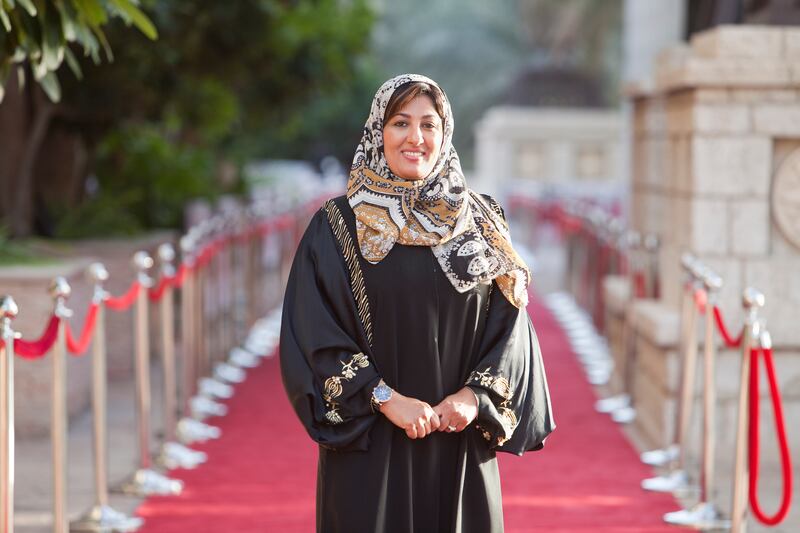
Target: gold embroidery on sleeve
x: 502, y: 387
x: 333, y: 385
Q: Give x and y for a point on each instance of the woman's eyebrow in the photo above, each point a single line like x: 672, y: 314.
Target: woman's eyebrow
x: 406, y: 115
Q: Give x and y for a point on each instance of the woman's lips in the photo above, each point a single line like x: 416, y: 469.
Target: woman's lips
x: 413, y: 155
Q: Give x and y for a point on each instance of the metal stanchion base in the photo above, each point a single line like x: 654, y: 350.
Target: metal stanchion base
x: 672, y: 482
x: 148, y: 482
x: 203, y: 407
x: 190, y: 431
x: 660, y: 457
x: 623, y: 415
x: 175, y: 455
x: 215, y: 389
x: 228, y: 373
x: 704, y: 516
x: 104, y: 519
x: 612, y: 403
x: 242, y: 358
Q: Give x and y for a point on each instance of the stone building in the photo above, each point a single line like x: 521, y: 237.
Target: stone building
x: 715, y: 146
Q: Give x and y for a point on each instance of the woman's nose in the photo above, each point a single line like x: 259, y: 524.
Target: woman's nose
x: 415, y: 135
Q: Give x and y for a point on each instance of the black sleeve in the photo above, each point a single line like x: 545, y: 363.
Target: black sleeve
x: 326, y: 363
x: 514, y: 411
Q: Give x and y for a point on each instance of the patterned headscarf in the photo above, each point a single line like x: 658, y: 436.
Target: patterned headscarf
x: 469, y: 239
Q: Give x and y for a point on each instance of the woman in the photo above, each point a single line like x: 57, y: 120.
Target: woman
x: 406, y: 349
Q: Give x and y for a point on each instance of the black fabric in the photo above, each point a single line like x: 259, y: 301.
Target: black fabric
x: 428, y: 340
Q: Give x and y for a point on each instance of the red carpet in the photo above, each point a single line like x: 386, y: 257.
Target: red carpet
x: 260, y: 476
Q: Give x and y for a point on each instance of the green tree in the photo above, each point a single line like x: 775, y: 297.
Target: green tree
x: 38, y: 33
x: 221, y: 77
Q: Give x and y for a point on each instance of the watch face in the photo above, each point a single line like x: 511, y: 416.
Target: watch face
x: 382, y: 393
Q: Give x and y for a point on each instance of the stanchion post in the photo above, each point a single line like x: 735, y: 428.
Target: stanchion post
x: 173, y: 454
x: 713, y: 284
x: 670, y: 455
x: 142, y: 262
x: 689, y: 362
x: 752, y: 300
x: 188, y: 342
x: 8, y: 311
x: 60, y: 291
x: 145, y: 480
x: 166, y: 255
x: 101, y: 517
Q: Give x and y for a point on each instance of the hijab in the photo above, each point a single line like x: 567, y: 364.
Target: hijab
x: 467, y: 236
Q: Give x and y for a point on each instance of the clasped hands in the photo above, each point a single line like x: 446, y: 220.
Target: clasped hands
x: 419, y: 419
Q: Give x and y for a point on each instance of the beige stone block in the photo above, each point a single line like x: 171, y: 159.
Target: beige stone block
x: 655, y: 412
x: 681, y: 220
x: 708, y: 226
x: 731, y: 166
x: 780, y: 245
x: 616, y: 294
x: 649, y: 212
x: 670, y: 274
x: 756, y: 96
x: 711, y: 95
x: 791, y: 43
x: 778, y: 279
x: 656, y: 322
x: 681, y: 163
x: 650, y: 116
x: 730, y: 118
x: 777, y: 120
x: 661, y: 364
x: 638, y: 160
x: 687, y: 117
x: 739, y: 41
x: 656, y: 162
x: 727, y: 72
x: 750, y: 227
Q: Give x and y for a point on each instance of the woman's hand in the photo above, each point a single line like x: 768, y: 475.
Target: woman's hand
x: 414, y: 416
x: 457, y: 411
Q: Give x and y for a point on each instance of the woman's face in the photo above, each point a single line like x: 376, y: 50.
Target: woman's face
x: 412, y: 139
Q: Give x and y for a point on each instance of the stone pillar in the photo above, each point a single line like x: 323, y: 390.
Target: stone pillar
x: 716, y: 172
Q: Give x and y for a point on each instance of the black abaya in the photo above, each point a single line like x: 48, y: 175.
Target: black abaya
x: 428, y: 341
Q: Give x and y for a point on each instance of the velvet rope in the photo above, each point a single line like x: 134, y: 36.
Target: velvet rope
x: 780, y: 426
x: 730, y: 342
x: 122, y: 303
x: 79, y: 347
x: 157, y: 292
x: 36, y: 349
x: 180, y: 275
x: 639, y: 285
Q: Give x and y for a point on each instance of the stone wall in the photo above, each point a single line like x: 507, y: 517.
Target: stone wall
x: 716, y: 172
x: 565, y: 147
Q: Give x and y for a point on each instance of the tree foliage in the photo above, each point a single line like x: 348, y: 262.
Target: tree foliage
x: 39, y: 32
x: 223, y: 83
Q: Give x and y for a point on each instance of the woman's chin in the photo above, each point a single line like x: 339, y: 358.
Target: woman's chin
x: 414, y: 174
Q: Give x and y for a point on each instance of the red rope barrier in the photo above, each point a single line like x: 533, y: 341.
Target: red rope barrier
x: 122, y: 303
x: 79, y: 347
x: 155, y: 293
x: 723, y: 330
x: 780, y: 426
x: 36, y: 349
x: 177, y: 282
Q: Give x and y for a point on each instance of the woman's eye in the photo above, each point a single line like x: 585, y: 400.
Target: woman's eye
x: 400, y: 123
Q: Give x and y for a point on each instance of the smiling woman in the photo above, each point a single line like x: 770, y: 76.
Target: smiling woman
x: 412, y: 130
x: 406, y: 349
